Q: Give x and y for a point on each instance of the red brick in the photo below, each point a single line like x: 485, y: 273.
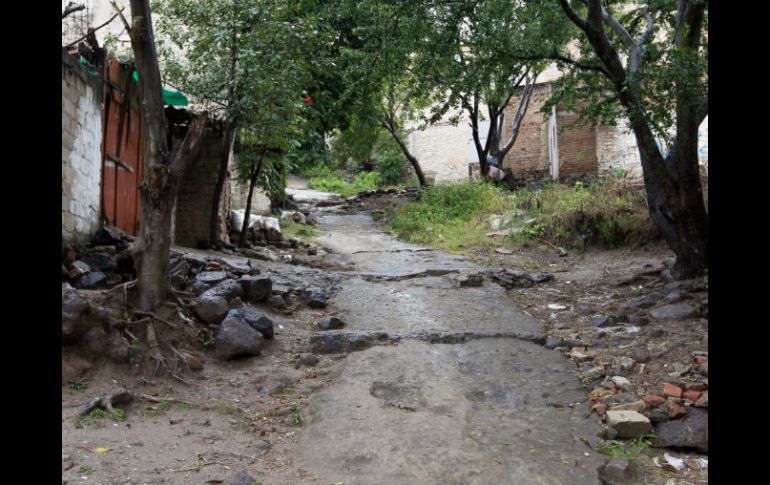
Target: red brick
x: 692, y: 395
x: 672, y: 390
x: 653, y: 400
x: 703, y: 402
x: 675, y: 410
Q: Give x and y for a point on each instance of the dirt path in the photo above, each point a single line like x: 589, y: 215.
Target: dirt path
x: 442, y: 384
x: 486, y: 409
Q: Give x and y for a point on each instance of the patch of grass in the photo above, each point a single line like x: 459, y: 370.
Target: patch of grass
x: 629, y: 450
x: 337, y: 182
x: 150, y: 413
x: 96, y: 416
x: 227, y: 409
x: 79, y: 385
x: 300, y: 231
x: 288, y: 391
x: 85, y: 469
x: 294, y: 418
x: 456, y: 217
x: 164, y: 405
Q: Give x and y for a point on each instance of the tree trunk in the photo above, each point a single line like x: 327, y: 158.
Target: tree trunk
x: 252, y: 183
x: 162, y: 173
x: 390, y: 125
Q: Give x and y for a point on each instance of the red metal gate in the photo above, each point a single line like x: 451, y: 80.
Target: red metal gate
x: 122, y: 158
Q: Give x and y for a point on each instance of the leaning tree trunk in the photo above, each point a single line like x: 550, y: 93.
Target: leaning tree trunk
x: 162, y: 171
x: 247, y: 214
x: 392, y: 127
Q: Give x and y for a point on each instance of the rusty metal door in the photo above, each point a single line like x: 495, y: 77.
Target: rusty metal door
x: 122, y: 158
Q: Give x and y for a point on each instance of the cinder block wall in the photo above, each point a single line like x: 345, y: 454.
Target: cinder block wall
x: 81, y: 126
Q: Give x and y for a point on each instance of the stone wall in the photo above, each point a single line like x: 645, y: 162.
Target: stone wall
x: 442, y: 150
x: 81, y: 150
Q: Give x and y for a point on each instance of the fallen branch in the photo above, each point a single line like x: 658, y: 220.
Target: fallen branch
x: 107, y: 400
x: 199, y: 466
x: 561, y: 251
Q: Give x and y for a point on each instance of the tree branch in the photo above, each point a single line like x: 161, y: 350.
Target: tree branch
x: 71, y: 8
x: 573, y: 16
x: 94, y: 30
x: 122, y: 18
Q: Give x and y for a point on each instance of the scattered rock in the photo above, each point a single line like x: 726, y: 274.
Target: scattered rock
x: 95, y: 340
x: 628, y: 424
x: 623, y: 363
x: 256, y: 288
x: 237, y: 338
x: 307, y: 360
x: 638, y: 320
x: 674, y: 410
x: 618, y: 471
x: 579, y: 356
x: 703, y: 402
x: 608, y: 433
x: 227, y: 289
x: 211, y: 309
x: 675, y: 311
x: 117, y: 348
x: 552, y: 343
x: 331, y: 323
x: 638, y: 406
x: 593, y: 373
x: 658, y: 332
x: 199, y: 287
x: 100, y: 261
x: 90, y: 280
x: 603, y: 322
x: 676, y: 296
x: 653, y: 400
x: 672, y: 390
x: 642, y: 303
x: 641, y: 355
x: 211, y: 277
x: 696, y: 386
x: 263, y: 254
x: 74, y: 308
x: 240, y: 478
x: 277, y: 301
x: 690, y: 432
x: 621, y: 382
x: 257, y: 320
x: 317, y: 300
x: 109, y: 236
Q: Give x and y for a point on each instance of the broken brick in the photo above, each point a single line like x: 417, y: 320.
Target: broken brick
x: 653, y: 400
x: 692, y: 395
x: 671, y: 390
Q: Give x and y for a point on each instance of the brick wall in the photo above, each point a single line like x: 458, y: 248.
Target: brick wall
x: 530, y: 152
x: 196, y: 193
x: 577, y: 144
x: 81, y: 151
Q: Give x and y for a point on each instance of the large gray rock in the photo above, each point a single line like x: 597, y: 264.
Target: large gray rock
x: 227, y: 289
x: 690, y: 432
x: 628, y: 424
x: 108, y: 235
x: 74, y: 309
x: 675, y: 311
x: 256, y: 288
x: 211, y: 277
x: 90, y: 280
x: 211, y: 309
x: 331, y: 323
x: 237, y: 338
x: 257, y: 320
x: 100, y: 261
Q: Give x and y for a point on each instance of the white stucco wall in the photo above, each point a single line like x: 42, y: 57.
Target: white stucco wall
x: 81, y: 153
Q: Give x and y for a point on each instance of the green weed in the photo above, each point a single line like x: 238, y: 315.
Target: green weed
x: 629, y: 450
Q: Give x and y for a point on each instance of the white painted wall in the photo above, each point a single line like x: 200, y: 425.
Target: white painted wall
x: 81, y: 154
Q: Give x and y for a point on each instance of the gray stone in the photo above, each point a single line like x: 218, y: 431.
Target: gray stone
x: 621, y: 382
x: 541, y: 277
x: 240, y: 478
x: 77, y: 269
x: 604, y: 322
x: 118, y: 348
x: 608, y: 433
x: 237, y: 338
x: 199, y: 287
x: 593, y: 373
x: 552, y: 343
x: 623, y: 363
x: 690, y: 432
x: 307, y: 360
x: 657, y: 416
x: 108, y: 236
x: 95, y: 340
x: 618, y: 471
x: 641, y: 355
x: 676, y: 296
x: 211, y: 309
x: 638, y: 320
x: 317, y: 300
x: 331, y: 323
x: 674, y: 311
x: 642, y: 303
x: 257, y: 320
x: 90, y: 280
x: 260, y: 253
x: 638, y: 406
x: 74, y: 309
x: 100, y: 261
x: 628, y: 424
x: 211, y: 277
x: 227, y: 289
x: 278, y: 302
x: 256, y: 288
x: 658, y: 332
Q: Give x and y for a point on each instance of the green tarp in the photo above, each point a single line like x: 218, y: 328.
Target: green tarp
x: 170, y: 95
